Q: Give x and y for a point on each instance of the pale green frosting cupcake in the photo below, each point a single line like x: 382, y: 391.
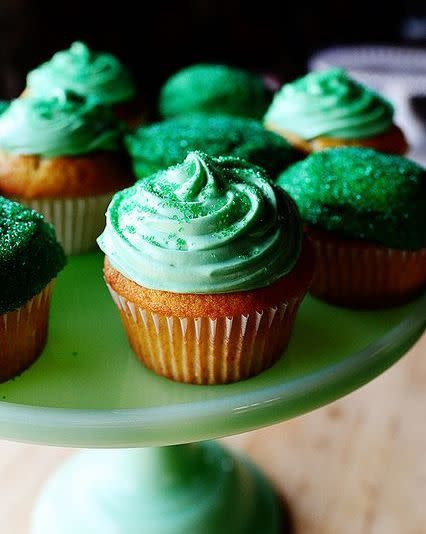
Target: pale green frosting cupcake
x: 208, y: 225
x: 88, y: 73
x: 329, y: 104
x: 62, y: 125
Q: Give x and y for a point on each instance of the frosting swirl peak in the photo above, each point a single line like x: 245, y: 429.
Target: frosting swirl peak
x: 329, y: 103
x: 63, y: 125
x: 88, y: 73
x: 207, y: 225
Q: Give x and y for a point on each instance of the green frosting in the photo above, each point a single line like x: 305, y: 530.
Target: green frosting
x: 30, y: 256
x: 208, y: 225
x: 167, y: 143
x: 62, y: 125
x: 4, y: 105
x: 213, y: 89
x: 362, y: 194
x: 90, y: 74
x: 329, y: 104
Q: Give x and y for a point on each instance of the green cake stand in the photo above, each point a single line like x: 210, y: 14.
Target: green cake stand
x: 153, y: 475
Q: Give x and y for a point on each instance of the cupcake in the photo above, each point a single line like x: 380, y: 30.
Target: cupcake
x: 157, y: 147
x: 205, y: 263
x: 329, y: 109
x: 91, y: 74
x: 366, y: 216
x: 61, y: 156
x: 213, y: 89
x: 30, y: 259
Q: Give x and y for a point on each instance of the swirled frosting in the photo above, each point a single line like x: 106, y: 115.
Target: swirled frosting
x: 330, y: 104
x: 88, y: 73
x: 207, y: 225
x: 62, y: 125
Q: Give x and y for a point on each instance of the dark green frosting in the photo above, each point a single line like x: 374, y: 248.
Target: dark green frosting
x: 4, y: 104
x: 213, y: 89
x: 30, y: 255
x: 362, y: 194
x: 167, y: 143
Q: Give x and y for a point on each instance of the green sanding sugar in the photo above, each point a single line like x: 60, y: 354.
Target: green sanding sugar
x: 167, y: 143
x: 363, y: 194
x: 30, y: 256
x: 213, y: 89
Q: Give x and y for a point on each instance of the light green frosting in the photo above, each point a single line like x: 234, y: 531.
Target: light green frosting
x: 208, y: 225
x: 62, y: 125
x: 329, y: 104
x: 90, y: 74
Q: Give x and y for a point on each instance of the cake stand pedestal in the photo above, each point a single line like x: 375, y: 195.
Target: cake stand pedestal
x: 195, y: 488
x: 152, y: 474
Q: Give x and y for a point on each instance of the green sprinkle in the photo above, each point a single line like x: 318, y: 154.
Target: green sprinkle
x: 167, y: 143
x: 363, y: 194
x: 30, y: 255
x: 213, y: 89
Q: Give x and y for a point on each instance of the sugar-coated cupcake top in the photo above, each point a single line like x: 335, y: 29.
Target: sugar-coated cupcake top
x: 208, y: 225
x: 91, y: 74
x: 65, y: 124
x: 330, y: 104
x: 30, y: 256
x: 213, y: 89
x: 167, y: 143
x: 361, y: 194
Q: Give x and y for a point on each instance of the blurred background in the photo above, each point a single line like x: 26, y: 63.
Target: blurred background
x: 276, y: 38
x: 157, y: 38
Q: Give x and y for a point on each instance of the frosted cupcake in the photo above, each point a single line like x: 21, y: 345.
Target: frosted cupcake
x: 328, y: 109
x: 30, y: 259
x: 91, y: 74
x: 158, y: 146
x: 366, y: 216
x: 62, y: 156
x: 205, y: 88
x: 205, y: 263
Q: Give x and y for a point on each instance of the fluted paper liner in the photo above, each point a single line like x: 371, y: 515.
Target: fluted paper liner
x: 77, y: 221
x: 359, y: 274
x: 23, y: 334
x: 206, y: 350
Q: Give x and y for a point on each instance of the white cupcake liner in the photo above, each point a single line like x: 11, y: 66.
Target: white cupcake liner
x: 23, y: 334
x: 366, y: 274
x: 206, y: 350
x: 77, y: 221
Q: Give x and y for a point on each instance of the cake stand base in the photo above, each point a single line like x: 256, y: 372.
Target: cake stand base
x: 182, y: 489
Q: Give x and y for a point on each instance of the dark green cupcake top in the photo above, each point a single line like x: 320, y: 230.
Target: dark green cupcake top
x: 213, y: 89
x: 167, y: 143
x: 4, y: 104
x: 30, y: 256
x: 361, y: 194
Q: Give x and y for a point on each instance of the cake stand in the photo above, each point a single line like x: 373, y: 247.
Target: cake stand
x: 87, y: 390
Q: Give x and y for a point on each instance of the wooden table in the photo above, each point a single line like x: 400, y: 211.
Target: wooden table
x: 357, y: 466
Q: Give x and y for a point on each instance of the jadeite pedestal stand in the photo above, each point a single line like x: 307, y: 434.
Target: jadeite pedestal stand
x: 87, y: 390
